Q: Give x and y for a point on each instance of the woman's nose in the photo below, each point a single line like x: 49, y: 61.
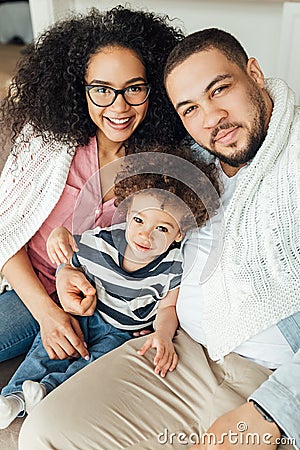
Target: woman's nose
x: 119, y: 104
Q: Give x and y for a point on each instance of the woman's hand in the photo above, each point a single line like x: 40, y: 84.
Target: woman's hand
x: 77, y: 296
x: 61, y: 335
x: 60, y: 332
x: 60, y: 245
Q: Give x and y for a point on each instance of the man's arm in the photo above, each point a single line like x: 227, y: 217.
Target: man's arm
x: 225, y: 432
x: 77, y: 296
x: 280, y: 398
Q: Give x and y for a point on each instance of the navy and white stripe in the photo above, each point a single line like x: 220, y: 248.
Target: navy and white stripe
x: 127, y: 300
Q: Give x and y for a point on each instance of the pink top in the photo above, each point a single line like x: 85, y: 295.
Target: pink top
x: 79, y: 208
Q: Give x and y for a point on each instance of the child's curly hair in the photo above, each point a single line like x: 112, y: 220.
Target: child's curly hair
x: 195, y: 183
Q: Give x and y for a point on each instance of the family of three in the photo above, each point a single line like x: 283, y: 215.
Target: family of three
x: 238, y: 303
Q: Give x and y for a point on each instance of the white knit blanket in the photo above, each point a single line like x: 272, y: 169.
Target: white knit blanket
x: 257, y: 280
x: 31, y: 183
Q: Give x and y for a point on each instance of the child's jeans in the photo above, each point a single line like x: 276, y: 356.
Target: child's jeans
x: 100, y: 337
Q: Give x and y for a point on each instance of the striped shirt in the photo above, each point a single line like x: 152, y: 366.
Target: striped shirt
x: 127, y: 300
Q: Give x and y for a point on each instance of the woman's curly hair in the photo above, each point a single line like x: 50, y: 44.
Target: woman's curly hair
x: 48, y: 88
x: 194, y: 184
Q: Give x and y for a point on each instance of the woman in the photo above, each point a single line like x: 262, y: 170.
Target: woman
x: 89, y: 91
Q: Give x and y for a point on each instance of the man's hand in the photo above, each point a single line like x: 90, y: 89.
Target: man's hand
x: 231, y: 431
x: 77, y: 296
x: 61, y: 335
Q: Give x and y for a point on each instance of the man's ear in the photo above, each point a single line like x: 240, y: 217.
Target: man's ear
x: 254, y: 71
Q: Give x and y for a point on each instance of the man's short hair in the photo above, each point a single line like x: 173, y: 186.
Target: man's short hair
x: 207, y: 39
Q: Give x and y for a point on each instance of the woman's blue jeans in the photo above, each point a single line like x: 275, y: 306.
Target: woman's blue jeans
x: 18, y: 328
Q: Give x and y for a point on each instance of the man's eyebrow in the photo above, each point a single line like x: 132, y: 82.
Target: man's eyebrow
x: 216, y: 80
x: 180, y: 104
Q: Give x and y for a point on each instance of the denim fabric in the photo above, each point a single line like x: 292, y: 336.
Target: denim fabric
x: 18, y: 327
x: 280, y: 394
x: 280, y: 397
x: 290, y: 328
x: 100, y: 337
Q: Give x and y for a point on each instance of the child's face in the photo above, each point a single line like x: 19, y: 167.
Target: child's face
x: 150, y: 229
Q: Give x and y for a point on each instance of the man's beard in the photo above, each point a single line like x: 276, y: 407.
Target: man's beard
x: 255, y: 138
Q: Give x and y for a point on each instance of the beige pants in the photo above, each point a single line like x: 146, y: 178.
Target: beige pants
x: 119, y: 403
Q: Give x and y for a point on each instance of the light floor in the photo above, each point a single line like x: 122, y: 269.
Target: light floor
x: 9, y: 55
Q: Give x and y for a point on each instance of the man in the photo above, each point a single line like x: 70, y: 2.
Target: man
x: 253, y: 130
x: 244, y: 311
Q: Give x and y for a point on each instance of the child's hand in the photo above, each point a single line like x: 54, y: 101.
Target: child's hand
x: 60, y: 246
x: 166, y: 357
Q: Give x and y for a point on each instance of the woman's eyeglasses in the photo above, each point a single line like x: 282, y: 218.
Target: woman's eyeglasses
x: 134, y: 95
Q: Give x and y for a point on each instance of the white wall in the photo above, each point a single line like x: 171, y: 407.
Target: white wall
x: 269, y: 30
x: 257, y: 25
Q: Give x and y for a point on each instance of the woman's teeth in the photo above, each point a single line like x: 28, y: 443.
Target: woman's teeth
x: 119, y: 121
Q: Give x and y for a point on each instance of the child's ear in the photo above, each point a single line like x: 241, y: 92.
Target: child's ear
x: 179, y: 237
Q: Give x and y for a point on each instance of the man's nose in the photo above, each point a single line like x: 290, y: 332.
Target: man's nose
x: 212, y: 115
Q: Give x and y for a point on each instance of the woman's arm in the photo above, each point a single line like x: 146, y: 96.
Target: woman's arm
x: 61, y: 333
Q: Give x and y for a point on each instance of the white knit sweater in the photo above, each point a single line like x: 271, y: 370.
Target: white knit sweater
x: 257, y: 280
x: 31, y: 184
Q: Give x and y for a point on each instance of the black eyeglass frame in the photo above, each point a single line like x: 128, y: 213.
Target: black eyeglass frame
x: 88, y: 87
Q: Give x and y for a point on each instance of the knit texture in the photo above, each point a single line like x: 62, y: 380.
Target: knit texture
x: 31, y: 184
x: 256, y: 282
